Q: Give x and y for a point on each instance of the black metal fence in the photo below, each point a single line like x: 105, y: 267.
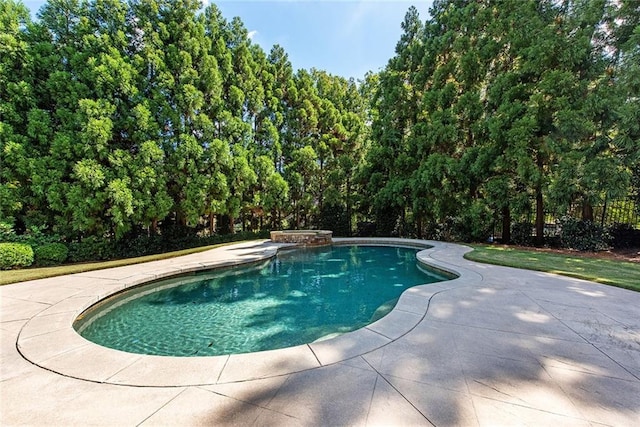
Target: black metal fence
x: 618, y: 212
x: 625, y: 211
x: 622, y: 211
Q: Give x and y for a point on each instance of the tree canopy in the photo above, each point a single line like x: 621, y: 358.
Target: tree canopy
x: 492, y: 111
x: 121, y: 118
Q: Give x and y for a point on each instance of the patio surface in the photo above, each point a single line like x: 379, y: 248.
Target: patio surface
x: 496, y: 346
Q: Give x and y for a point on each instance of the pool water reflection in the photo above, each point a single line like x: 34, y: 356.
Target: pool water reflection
x: 298, y: 297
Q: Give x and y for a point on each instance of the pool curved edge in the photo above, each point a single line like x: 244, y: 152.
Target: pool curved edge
x: 49, y: 340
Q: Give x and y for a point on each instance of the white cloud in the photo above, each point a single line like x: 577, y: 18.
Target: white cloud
x: 252, y: 34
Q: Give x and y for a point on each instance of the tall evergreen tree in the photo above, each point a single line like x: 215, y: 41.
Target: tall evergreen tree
x: 16, y: 99
x: 390, y: 158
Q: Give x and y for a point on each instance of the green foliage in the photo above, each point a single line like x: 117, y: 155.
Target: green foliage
x: 467, y: 228
x: 7, y: 234
x: 34, y: 236
x: 521, y: 233
x: 92, y: 249
x: 452, y: 229
x: 499, y: 124
x: 583, y: 235
x: 624, y: 236
x: 172, y: 238
x: 387, y: 222
x: 335, y: 218
x: 120, y: 120
x: 51, y: 254
x: 15, y: 255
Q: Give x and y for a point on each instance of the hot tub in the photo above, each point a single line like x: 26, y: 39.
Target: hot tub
x: 303, y: 237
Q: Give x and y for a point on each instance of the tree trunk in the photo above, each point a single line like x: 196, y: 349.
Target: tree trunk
x: 539, y: 217
x: 212, y: 224
x: 419, y: 225
x: 506, y: 225
x: 539, y: 240
x: 181, y: 220
x: 232, y: 227
x: 587, y: 211
x: 604, y: 213
x: 224, y: 224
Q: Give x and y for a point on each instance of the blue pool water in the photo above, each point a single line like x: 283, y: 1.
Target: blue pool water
x: 298, y: 297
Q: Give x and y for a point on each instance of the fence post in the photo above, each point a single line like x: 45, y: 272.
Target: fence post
x: 604, y: 212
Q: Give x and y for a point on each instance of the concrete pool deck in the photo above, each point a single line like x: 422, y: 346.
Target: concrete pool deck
x: 496, y: 346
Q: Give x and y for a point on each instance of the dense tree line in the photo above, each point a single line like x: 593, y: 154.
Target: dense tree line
x: 122, y: 119
x: 499, y: 111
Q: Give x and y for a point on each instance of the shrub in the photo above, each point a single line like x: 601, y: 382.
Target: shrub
x: 91, y: 249
x: 98, y: 249
x: 51, y: 254
x: 454, y: 229
x: 583, y: 235
x: 624, y: 236
x: 6, y: 232
x: 14, y: 255
x: 139, y: 245
x: 521, y: 233
x: 366, y: 229
x: 33, y: 236
x: 335, y: 218
x: 386, y: 221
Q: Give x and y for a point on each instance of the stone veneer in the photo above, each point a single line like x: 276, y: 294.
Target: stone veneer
x: 303, y: 237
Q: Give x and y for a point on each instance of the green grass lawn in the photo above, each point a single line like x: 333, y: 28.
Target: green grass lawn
x: 610, y: 272
x: 13, y: 276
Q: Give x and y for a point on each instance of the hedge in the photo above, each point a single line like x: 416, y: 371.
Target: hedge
x: 51, y: 254
x: 583, y: 235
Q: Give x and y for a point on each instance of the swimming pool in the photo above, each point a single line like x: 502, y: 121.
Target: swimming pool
x: 300, y: 296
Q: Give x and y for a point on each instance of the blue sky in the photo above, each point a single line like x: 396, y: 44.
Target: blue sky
x: 343, y: 37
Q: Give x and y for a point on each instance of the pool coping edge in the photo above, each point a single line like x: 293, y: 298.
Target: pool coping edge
x: 57, y: 347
